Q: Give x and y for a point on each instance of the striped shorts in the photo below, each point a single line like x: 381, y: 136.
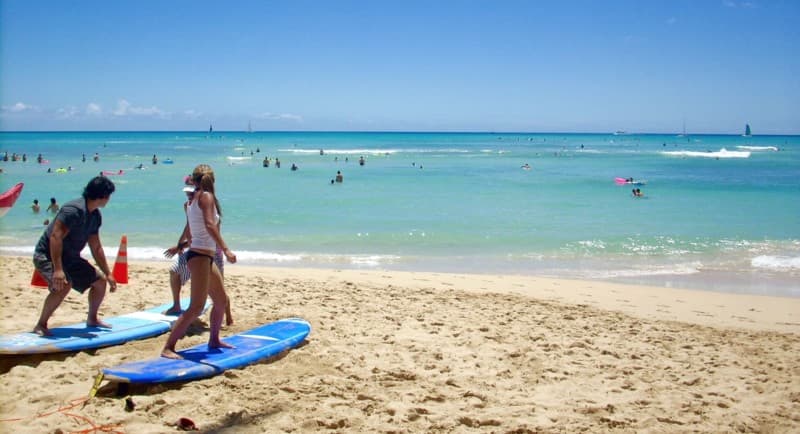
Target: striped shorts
x: 182, y: 270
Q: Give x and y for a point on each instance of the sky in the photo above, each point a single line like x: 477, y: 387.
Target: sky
x: 647, y: 66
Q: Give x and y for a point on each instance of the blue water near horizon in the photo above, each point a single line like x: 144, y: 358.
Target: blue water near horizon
x: 720, y: 212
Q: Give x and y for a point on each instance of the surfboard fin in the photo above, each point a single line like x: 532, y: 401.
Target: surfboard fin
x: 97, y: 380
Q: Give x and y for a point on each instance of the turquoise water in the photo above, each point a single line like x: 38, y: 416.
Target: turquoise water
x: 719, y: 212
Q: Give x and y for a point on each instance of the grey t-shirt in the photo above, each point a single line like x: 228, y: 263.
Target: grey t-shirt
x: 81, y: 224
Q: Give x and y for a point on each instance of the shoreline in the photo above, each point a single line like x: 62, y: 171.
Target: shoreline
x: 690, y: 305
x: 422, y: 352
x: 739, y: 282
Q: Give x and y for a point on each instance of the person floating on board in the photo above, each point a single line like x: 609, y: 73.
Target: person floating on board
x: 57, y: 256
x: 202, y: 226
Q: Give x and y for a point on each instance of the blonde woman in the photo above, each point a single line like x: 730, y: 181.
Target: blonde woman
x: 202, y: 221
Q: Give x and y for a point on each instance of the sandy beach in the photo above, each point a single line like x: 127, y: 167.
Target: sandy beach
x: 428, y: 352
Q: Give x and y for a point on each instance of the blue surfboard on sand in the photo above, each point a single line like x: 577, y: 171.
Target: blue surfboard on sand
x: 77, y: 337
x: 200, y: 361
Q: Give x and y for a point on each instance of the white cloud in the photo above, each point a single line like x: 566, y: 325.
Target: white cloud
x: 67, y: 112
x: 280, y: 117
x: 124, y: 108
x: 20, y: 107
x: 147, y: 111
x: 740, y: 4
x: 192, y: 114
x: 93, y: 109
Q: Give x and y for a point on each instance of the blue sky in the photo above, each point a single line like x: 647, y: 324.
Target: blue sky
x: 538, y: 66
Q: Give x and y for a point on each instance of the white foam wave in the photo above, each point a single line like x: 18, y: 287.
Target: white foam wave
x: 111, y: 252
x: 367, y: 151
x: 758, y: 148
x: 781, y: 263
x: 344, y: 151
x: 253, y: 257
x: 245, y: 257
x: 371, y: 260
x: 592, y: 244
x: 722, y: 153
x: 671, y: 270
x: 17, y: 250
x: 239, y: 158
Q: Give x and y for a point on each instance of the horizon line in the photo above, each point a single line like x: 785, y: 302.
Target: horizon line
x: 677, y: 134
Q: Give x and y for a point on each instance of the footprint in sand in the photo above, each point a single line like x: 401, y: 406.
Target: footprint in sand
x: 701, y: 313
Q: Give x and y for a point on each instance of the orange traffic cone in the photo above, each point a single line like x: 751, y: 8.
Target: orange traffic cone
x: 120, y: 271
x: 38, y: 280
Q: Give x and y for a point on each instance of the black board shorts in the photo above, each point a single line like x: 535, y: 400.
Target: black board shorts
x: 80, y: 273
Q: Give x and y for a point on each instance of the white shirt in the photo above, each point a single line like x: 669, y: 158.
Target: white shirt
x: 201, y: 239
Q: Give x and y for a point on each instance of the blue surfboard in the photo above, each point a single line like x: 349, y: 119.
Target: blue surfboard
x: 77, y: 337
x: 200, y: 361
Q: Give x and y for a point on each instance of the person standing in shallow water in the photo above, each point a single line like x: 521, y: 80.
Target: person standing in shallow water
x: 53, y: 208
x: 57, y: 256
x: 202, y: 220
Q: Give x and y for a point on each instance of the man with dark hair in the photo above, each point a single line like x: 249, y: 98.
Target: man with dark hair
x: 58, y: 259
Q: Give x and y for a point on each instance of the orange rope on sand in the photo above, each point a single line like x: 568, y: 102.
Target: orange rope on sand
x: 63, y: 410
x: 94, y: 428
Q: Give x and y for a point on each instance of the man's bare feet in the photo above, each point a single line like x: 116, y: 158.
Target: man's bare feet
x: 42, y: 330
x: 170, y: 354
x: 98, y: 323
x: 219, y: 344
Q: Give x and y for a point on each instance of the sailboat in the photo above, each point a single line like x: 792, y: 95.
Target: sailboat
x: 683, y: 134
x: 746, y: 131
x: 249, y: 127
x: 210, y: 129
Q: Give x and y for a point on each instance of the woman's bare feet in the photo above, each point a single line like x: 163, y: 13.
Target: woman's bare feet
x: 219, y: 344
x: 173, y: 311
x: 98, y: 323
x: 42, y: 330
x: 170, y: 354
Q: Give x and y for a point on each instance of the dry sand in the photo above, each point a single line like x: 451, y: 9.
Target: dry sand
x: 428, y: 352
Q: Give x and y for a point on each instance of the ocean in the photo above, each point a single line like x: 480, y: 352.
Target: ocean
x: 719, y: 212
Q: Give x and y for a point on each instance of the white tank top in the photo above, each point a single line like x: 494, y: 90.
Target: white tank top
x: 201, y: 239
